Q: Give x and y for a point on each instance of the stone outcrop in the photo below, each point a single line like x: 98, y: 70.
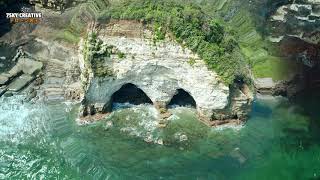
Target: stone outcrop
x: 22, y: 74
x: 159, y: 70
x: 286, y: 88
x: 20, y: 82
x: 295, y: 26
x: 61, y: 74
x: 300, y: 19
x: 265, y: 85
x: 44, y: 70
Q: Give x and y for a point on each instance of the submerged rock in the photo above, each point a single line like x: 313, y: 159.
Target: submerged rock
x: 109, y: 124
x: 236, y: 153
x: 180, y: 137
x: 8, y: 94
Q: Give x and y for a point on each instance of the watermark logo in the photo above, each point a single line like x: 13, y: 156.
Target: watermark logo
x: 26, y: 16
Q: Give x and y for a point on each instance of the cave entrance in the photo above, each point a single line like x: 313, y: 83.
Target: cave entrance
x: 182, y: 98
x: 130, y: 93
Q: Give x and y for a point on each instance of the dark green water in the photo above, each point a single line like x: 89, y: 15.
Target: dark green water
x: 42, y: 141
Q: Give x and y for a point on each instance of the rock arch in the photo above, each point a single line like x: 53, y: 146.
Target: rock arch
x: 130, y: 93
x: 182, y: 98
x: 160, y: 72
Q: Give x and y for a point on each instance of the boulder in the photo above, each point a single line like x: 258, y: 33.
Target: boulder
x: 29, y: 66
x: 20, y: 82
x: 264, y: 83
x: 24, y: 65
x: 4, y: 78
x: 2, y: 91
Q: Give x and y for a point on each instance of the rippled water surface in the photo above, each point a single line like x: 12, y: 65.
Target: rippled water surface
x: 42, y: 141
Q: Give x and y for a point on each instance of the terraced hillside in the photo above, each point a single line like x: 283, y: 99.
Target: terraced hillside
x: 248, y: 19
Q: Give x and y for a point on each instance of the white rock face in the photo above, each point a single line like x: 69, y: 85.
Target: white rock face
x: 159, y: 71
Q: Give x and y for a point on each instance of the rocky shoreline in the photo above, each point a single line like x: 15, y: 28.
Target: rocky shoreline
x: 64, y: 77
x: 159, y: 70
x: 26, y: 71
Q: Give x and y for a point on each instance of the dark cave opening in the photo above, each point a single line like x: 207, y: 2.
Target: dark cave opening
x: 182, y: 98
x: 130, y: 93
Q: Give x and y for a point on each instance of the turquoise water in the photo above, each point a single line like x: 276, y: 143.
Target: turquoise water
x: 43, y: 141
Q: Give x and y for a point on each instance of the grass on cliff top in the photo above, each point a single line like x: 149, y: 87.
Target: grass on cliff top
x: 246, y: 20
x: 275, y: 67
x: 264, y: 60
x: 192, y: 28
x: 68, y: 36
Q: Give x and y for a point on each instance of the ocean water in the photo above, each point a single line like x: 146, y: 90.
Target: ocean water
x: 43, y: 141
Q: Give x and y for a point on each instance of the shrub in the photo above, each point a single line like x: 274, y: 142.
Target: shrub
x: 192, y: 61
x: 121, y: 55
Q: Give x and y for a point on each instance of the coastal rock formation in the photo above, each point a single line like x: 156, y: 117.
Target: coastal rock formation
x: 60, y: 79
x: 20, y: 75
x: 295, y: 26
x: 160, y: 69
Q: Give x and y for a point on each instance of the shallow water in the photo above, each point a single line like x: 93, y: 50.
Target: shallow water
x: 42, y: 141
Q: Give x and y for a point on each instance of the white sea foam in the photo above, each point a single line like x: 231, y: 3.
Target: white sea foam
x: 228, y: 126
x: 18, y: 117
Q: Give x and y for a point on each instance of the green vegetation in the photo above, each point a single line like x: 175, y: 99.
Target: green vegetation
x: 192, y: 61
x: 274, y: 67
x: 78, y: 19
x: 158, y: 33
x: 191, y: 28
x: 228, y: 35
x: 68, y: 36
x: 247, y: 20
x: 121, y: 55
x: 95, y: 55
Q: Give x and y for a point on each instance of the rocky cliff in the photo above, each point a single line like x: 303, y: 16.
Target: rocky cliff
x: 159, y: 69
x: 125, y: 52
x: 294, y: 28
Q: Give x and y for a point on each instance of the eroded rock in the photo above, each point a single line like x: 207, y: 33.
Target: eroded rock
x: 20, y: 82
x: 159, y: 71
x: 22, y: 74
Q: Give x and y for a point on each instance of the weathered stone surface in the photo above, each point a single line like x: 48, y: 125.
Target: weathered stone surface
x: 29, y: 66
x: 20, y: 82
x: 266, y: 83
x: 296, y: 27
x: 2, y: 91
x: 4, y: 78
x: 24, y: 65
x: 60, y: 77
x: 160, y: 76
x: 159, y: 71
